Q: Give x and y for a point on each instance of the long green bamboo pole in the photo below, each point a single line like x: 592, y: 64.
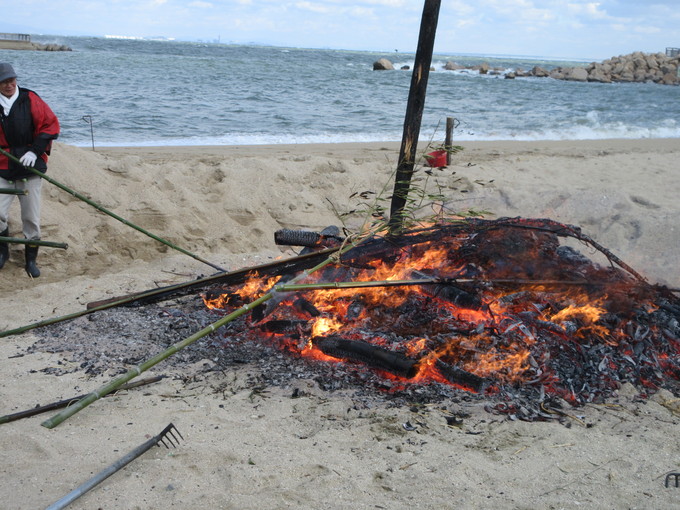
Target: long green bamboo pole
x: 12, y: 191
x: 33, y: 242
x: 134, y: 372
x: 109, y: 213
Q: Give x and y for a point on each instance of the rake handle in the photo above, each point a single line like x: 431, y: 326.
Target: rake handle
x: 105, y: 473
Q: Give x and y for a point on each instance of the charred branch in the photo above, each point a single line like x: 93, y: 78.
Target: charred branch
x: 368, y: 354
x: 287, y: 237
x: 291, y: 265
x: 461, y: 377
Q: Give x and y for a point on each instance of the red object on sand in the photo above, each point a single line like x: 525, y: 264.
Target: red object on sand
x: 436, y: 159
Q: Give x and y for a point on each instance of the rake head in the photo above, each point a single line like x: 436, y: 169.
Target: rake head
x: 167, y: 435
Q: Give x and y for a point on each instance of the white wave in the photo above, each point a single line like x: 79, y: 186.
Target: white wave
x: 572, y: 133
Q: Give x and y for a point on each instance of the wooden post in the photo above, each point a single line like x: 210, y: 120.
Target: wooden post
x: 414, y: 112
x: 448, y: 142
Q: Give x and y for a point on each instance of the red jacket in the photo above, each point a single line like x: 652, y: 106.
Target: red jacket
x: 30, y: 126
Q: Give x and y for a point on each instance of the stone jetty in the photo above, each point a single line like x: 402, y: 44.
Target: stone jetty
x: 637, y: 67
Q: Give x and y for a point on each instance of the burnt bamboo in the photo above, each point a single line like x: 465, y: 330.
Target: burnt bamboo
x: 376, y: 247
x: 63, y: 403
x: 414, y: 113
x: 12, y: 191
x: 109, y: 213
x: 451, y: 292
x: 33, y: 242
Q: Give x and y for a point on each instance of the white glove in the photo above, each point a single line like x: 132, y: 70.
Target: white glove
x: 28, y: 159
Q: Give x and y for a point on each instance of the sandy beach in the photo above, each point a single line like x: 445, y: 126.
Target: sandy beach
x: 264, y: 449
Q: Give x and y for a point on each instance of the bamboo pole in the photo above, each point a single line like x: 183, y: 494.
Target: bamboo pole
x: 414, y: 113
x: 134, y: 372
x: 33, y: 242
x: 109, y: 213
x: 431, y: 281
x: 12, y: 191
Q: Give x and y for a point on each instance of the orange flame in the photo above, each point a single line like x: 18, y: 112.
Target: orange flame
x: 253, y: 288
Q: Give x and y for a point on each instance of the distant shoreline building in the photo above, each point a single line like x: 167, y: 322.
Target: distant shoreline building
x: 15, y: 37
x: 15, y: 41
x: 10, y: 41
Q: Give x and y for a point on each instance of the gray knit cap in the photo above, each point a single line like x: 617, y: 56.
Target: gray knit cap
x: 6, y: 71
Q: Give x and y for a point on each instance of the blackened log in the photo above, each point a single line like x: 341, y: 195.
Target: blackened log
x: 304, y: 306
x: 455, y: 295
x: 369, y: 354
x: 460, y: 377
x: 288, y: 237
x: 283, y: 325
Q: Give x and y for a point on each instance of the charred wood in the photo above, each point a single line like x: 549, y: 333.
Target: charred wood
x: 283, y: 326
x: 369, y: 354
x: 461, y: 377
x: 260, y: 312
x: 292, y: 265
x: 304, y: 306
x: 327, y: 238
x: 390, y: 246
x: 455, y: 295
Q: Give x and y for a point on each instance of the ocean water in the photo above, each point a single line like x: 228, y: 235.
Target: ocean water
x: 117, y: 92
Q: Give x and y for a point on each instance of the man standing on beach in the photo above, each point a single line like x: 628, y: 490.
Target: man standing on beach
x: 27, y: 128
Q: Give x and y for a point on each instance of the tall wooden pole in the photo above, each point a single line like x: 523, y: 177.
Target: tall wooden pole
x: 414, y: 112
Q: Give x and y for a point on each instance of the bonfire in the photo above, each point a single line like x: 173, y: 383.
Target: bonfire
x: 496, y: 307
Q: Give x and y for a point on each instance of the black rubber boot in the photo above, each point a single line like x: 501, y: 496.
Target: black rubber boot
x: 31, y: 266
x: 4, y: 248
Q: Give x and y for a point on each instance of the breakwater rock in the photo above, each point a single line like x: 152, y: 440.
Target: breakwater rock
x: 637, y: 67
x: 51, y: 47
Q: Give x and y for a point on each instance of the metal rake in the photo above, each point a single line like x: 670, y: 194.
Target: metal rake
x: 167, y: 434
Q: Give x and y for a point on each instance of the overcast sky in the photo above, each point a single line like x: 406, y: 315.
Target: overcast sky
x: 553, y: 28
